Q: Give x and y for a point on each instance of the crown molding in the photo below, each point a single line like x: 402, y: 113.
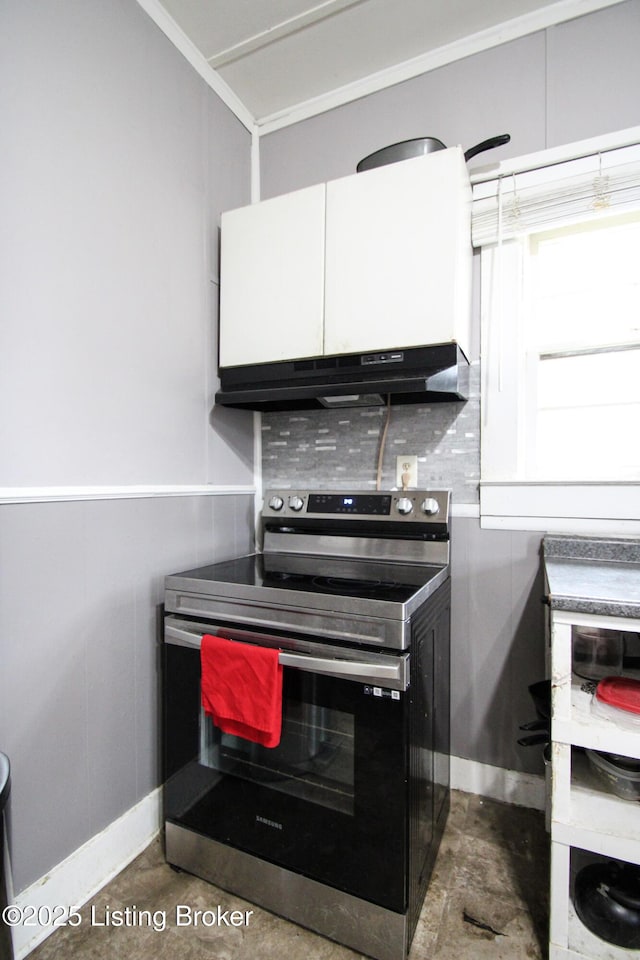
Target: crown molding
x: 189, y: 51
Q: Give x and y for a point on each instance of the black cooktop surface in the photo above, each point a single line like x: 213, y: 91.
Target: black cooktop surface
x: 362, y: 579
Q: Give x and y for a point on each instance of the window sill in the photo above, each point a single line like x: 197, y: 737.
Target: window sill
x: 589, y: 507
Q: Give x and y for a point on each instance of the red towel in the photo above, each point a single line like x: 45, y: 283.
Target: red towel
x: 241, y: 689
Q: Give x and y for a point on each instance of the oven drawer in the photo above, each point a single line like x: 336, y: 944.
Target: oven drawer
x: 377, y: 669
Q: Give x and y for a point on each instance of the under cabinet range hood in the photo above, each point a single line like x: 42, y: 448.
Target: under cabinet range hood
x: 429, y: 374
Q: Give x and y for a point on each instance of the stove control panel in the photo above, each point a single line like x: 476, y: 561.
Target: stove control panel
x: 410, y: 506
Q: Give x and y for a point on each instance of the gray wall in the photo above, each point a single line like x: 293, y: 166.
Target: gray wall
x: 116, y: 162
x: 117, y: 159
x: 573, y: 81
x: 81, y: 588
x: 576, y: 80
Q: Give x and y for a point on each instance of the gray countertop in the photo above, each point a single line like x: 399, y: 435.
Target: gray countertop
x: 593, y: 575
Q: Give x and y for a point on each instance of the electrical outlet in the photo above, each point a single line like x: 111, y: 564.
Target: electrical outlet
x: 406, y: 472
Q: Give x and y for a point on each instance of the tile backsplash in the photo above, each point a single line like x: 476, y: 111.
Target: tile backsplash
x: 339, y: 449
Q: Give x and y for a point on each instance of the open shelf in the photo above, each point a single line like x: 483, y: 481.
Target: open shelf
x: 597, y: 820
x: 574, y: 941
x: 586, y: 729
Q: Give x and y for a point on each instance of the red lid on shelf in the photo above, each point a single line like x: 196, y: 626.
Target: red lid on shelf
x: 621, y: 692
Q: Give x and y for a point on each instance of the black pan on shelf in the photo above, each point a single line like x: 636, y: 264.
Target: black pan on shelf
x: 419, y: 146
x: 607, y: 900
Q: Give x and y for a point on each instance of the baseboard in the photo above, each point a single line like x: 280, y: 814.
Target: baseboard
x: 75, y: 880
x: 510, y: 786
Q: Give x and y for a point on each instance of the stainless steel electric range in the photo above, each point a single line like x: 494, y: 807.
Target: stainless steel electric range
x: 337, y: 828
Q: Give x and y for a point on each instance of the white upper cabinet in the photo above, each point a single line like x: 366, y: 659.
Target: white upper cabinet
x: 272, y: 279
x: 398, y: 256
x: 378, y: 260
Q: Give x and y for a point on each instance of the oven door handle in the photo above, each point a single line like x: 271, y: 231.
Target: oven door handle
x: 394, y: 674
x: 356, y: 669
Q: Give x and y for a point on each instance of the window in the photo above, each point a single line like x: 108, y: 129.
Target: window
x: 582, y: 399
x: 560, y: 348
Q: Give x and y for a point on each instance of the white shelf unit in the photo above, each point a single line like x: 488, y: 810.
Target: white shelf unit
x: 584, y: 816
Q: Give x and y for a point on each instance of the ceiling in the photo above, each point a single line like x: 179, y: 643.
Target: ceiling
x: 283, y: 59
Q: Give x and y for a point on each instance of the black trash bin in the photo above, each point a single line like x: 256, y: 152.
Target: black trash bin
x: 6, y: 947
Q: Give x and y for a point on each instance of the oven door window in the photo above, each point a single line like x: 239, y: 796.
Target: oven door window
x: 314, y: 760
x: 329, y: 802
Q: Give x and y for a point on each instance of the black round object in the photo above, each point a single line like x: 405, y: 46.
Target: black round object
x: 607, y: 900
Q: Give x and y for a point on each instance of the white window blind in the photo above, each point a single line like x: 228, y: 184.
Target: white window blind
x: 558, y: 194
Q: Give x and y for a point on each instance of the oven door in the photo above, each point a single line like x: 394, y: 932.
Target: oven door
x: 331, y: 801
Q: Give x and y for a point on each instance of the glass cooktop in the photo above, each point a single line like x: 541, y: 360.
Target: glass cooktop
x: 362, y: 579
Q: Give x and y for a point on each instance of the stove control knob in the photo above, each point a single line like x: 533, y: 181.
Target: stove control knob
x: 296, y: 503
x: 430, y: 506
x: 404, y: 505
x: 276, y: 503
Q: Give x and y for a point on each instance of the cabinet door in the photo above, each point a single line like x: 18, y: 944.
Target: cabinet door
x: 398, y: 255
x: 272, y: 279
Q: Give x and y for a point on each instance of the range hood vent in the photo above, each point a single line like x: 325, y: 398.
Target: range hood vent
x: 433, y: 374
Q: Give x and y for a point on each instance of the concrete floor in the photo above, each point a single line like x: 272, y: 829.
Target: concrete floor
x: 488, y: 897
